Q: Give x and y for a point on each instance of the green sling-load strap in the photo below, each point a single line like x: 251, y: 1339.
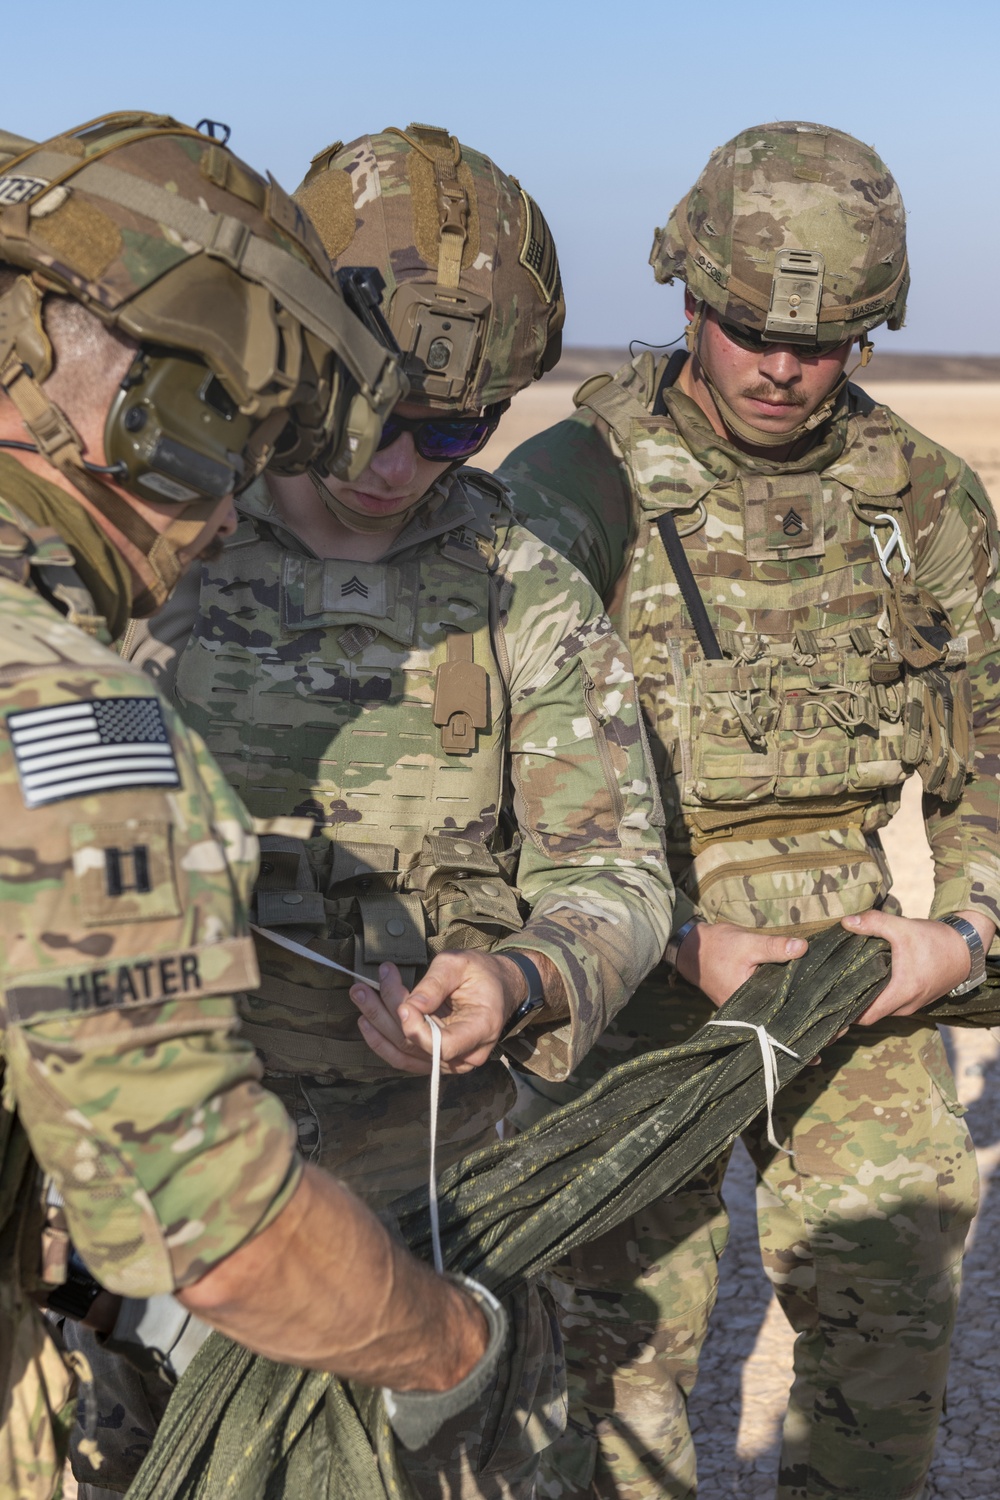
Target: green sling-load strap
x: 238, y: 1424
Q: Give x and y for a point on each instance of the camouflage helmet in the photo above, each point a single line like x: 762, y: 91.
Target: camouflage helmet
x: 166, y: 235
x: 794, y: 231
x: 472, y: 289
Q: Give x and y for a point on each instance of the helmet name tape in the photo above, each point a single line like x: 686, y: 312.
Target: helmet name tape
x: 16, y: 189
x: 796, y: 293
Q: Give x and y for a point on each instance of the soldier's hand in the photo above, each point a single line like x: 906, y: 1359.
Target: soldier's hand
x: 472, y: 995
x: 718, y: 957
x: 928, y: 959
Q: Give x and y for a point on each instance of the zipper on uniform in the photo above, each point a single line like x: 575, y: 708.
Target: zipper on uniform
x: 598, y: 719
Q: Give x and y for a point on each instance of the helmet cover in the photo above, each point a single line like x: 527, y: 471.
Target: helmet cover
x: 472, y: 287
x: 793, y: 230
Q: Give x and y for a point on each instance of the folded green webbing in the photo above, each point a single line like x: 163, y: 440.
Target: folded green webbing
x: 241, y: 1426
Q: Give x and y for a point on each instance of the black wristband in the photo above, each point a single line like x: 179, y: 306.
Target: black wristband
x: 536, y: 990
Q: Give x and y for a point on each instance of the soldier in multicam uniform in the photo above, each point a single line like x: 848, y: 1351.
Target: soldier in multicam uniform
x: 164, y: 312
x: 442, y: 695
x: 808, y: 589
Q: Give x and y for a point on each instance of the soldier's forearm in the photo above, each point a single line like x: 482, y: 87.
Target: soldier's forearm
x: 324, y: 1286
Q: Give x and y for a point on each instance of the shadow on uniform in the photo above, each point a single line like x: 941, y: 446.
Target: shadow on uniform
x: 716, y: 1408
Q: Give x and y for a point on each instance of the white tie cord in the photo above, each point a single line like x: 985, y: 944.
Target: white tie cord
x: 316, y: 958
x: 768, y: 1045
x: 432, y: 1193
x: 432, y: 1186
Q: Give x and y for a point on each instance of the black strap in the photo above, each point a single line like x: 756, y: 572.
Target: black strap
x: 667, y: 527
x: 672, y: 369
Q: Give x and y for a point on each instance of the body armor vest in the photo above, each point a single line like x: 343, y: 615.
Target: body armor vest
x: 781, y: 760
x: 369, y: 698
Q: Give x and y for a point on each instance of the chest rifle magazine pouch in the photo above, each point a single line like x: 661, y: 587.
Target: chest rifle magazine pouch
x: 285, y: 895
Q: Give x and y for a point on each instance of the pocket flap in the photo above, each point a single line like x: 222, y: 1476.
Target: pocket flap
x: 392, y: 929
x: 290, y: 909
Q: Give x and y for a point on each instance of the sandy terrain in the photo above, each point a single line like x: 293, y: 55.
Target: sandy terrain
x: 737, y: 1407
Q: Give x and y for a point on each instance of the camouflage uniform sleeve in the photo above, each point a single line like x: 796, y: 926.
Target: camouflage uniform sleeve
x: 592, y: 866
x: 125, y: 921
x: 957, y: 556
x: 571, y: 489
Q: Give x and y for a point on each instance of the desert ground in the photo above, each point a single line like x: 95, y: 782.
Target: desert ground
x: 737, y: 1406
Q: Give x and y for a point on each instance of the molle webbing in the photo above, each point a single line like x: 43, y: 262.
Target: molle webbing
x: 314, y: 1054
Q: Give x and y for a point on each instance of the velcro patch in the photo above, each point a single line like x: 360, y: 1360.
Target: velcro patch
x: 100, y: 745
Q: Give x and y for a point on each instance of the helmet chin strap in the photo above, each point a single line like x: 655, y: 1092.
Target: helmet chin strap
x: 760, y: 437
x: 354, y: 520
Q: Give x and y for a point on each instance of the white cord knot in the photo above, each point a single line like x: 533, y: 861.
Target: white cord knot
x: 432, y: 1186
x: 768, y: 1046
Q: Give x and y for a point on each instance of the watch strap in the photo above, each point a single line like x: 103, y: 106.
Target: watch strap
x: 535, y: 997
x: 977, y: 953
x: 675, y: 940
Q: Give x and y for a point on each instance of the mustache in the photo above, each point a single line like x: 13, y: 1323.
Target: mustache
x: 764, y: 391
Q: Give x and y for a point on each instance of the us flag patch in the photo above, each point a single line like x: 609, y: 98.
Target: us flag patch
x: 97, y: 746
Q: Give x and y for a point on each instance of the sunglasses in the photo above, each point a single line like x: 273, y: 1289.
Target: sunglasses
x: 442, y: 439
x: 756, y: 343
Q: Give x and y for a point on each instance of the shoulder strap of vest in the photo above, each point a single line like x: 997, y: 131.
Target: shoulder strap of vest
x: 492, y: 513
x: 619, y: 405
x: 619, y: 408
x: 27, y: 548
x: 872, y: 464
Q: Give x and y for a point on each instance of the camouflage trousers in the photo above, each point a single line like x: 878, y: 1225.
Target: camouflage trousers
x: 36, y: 1393
x: 862, y: 1230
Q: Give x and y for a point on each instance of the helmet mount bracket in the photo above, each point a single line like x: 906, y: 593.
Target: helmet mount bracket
x: 440, y: 331
x: 796, y: 295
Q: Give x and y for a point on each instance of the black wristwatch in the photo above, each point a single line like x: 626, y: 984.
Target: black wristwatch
x: 536, y: 990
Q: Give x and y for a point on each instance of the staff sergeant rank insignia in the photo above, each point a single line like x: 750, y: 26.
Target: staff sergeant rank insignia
x: 94, y: 746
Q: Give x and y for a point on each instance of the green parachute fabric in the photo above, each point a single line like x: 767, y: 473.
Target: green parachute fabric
x: 240, y: 1425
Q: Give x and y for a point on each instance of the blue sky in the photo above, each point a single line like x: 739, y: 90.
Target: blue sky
x: 605, y: 112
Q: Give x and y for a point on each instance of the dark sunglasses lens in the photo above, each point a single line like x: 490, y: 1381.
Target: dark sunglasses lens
x: 444, y: 441
x: 744, y: 338
x: 748, y: 338
x: 391, y: 428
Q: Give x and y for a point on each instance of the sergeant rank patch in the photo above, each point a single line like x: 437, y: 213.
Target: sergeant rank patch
x: 100, y: 745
